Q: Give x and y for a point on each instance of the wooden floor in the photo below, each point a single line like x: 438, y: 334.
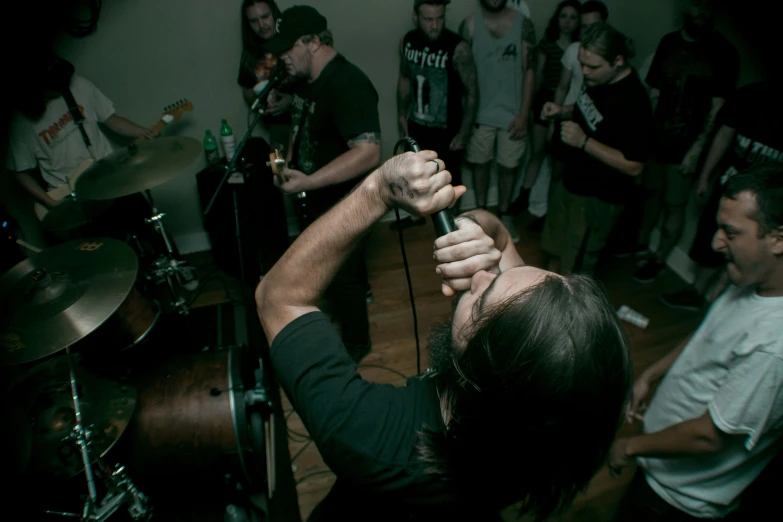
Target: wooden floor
x: 393, y: 357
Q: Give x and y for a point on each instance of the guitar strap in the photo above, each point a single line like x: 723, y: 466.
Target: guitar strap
x: 314, y: 88
x: 78, y: 117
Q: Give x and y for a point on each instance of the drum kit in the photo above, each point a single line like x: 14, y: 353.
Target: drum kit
x: 126, y: 177
x: 68, y: 309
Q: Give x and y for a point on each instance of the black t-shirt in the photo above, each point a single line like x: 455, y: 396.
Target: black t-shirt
x: 436, y: 88
x: 617, y: 115
x: 340, y: 105
x: 759, y: 137
x: 365, y: 432
x: 688, y: 75
x: 253, y: 70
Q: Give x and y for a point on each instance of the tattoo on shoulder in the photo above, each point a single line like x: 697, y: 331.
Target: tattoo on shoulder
x: 463, y: 30
x: 529, y: 31
x: 367, y: 137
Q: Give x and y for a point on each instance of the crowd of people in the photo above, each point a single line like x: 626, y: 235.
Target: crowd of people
x: 530, y: 355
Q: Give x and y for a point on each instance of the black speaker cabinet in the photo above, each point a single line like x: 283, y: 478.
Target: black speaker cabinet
x: 260, y: 209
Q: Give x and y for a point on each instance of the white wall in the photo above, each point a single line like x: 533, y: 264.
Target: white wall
x: 148, y: 53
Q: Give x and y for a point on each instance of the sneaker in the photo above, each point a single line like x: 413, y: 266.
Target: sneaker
x: 649, y: 271
x: 508, y: 222
x: 630, y: 250
x: 688, y: 299
x: 407, y: 222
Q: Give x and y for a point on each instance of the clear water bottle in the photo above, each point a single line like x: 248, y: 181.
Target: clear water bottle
x: 227, y: 137
x: 211, y: 148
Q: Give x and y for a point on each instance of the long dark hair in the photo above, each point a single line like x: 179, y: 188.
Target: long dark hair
x: 535, y: 399
x: 251, y: 42
x: 552, y: 32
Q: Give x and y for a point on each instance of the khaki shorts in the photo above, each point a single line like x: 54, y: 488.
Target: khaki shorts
x: 481, y: 148
x: 667, y: 180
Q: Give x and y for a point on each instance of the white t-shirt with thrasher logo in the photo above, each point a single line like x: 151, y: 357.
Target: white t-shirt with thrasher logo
x: 53, y: 143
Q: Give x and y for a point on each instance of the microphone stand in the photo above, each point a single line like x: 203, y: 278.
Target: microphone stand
x: 230, y: 167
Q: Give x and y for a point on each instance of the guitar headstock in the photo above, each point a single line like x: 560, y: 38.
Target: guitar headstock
x: 277, y: 163
x: 174, y: 111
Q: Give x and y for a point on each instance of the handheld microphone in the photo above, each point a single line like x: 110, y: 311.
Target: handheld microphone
x: 442, y: 219
x: 276, y: 79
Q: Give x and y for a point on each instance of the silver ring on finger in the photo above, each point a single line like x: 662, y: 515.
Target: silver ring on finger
x: 437, y: 165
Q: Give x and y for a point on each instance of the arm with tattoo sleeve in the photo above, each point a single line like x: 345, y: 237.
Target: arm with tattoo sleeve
x: 403, y: 93
x: 466, y: 68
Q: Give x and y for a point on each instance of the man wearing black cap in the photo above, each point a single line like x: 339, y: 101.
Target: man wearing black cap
x: 437, y: 91
x: 335, y: 141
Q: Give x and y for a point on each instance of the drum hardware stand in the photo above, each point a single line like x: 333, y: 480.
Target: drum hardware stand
x: 120, y: 488
x: 175, y: 272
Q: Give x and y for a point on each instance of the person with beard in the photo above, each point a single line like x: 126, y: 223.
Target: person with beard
x: 527, y: 359
x: 603, y: 142
x: 693, y: 72
x: 335, y: 140
x: 716, y: 418
x: 259, y: 18
x: 437, y: 90
x: 503, y: 41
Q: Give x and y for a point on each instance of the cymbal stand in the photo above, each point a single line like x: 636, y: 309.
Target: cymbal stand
x: 176, y: 272
x: 120, y: 489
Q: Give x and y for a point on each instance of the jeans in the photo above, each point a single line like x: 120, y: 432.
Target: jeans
x: 642, y: 504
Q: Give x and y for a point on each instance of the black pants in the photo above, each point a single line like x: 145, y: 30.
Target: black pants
x: 642, y: 504
x: 439, y: 140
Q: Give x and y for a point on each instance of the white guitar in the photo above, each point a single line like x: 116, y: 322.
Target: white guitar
x: 170, y: 114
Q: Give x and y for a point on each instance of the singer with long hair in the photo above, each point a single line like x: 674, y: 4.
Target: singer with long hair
x: 515, y: 373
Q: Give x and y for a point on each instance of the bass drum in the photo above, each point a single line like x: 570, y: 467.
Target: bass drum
x: 195, y: 427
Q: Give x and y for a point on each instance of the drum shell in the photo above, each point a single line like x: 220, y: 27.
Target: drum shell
x: 128, y: 326
x: 191, y: 423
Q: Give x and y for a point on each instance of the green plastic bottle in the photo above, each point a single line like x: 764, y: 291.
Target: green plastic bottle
x: 227, y: 137
x: 211, y: 148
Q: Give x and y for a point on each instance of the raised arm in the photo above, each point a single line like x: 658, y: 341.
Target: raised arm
x: 294, y: 285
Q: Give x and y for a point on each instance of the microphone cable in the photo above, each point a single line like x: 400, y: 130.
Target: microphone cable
x: 409, y: 142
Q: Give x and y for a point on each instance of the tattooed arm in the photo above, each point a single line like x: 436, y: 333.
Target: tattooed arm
x: 519, y: 126
x: 466, y: 68
x: 363, y: 156
x: 466, y: 29
x: 293, y: 286
x: 403, y: 93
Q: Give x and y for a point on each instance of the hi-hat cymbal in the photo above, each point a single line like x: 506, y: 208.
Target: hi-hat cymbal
x: 137, y: 168
x: 59, y: 296
x: 44, y: 395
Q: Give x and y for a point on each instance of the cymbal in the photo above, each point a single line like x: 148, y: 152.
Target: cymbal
x: 44, y: 394
x: 137, y: 168
x: 59, y: 296
x: 70, y: 213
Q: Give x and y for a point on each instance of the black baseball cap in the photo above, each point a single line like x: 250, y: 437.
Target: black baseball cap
x: 295, y: 22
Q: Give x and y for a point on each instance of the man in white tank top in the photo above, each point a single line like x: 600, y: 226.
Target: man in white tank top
x: 502, y: 40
